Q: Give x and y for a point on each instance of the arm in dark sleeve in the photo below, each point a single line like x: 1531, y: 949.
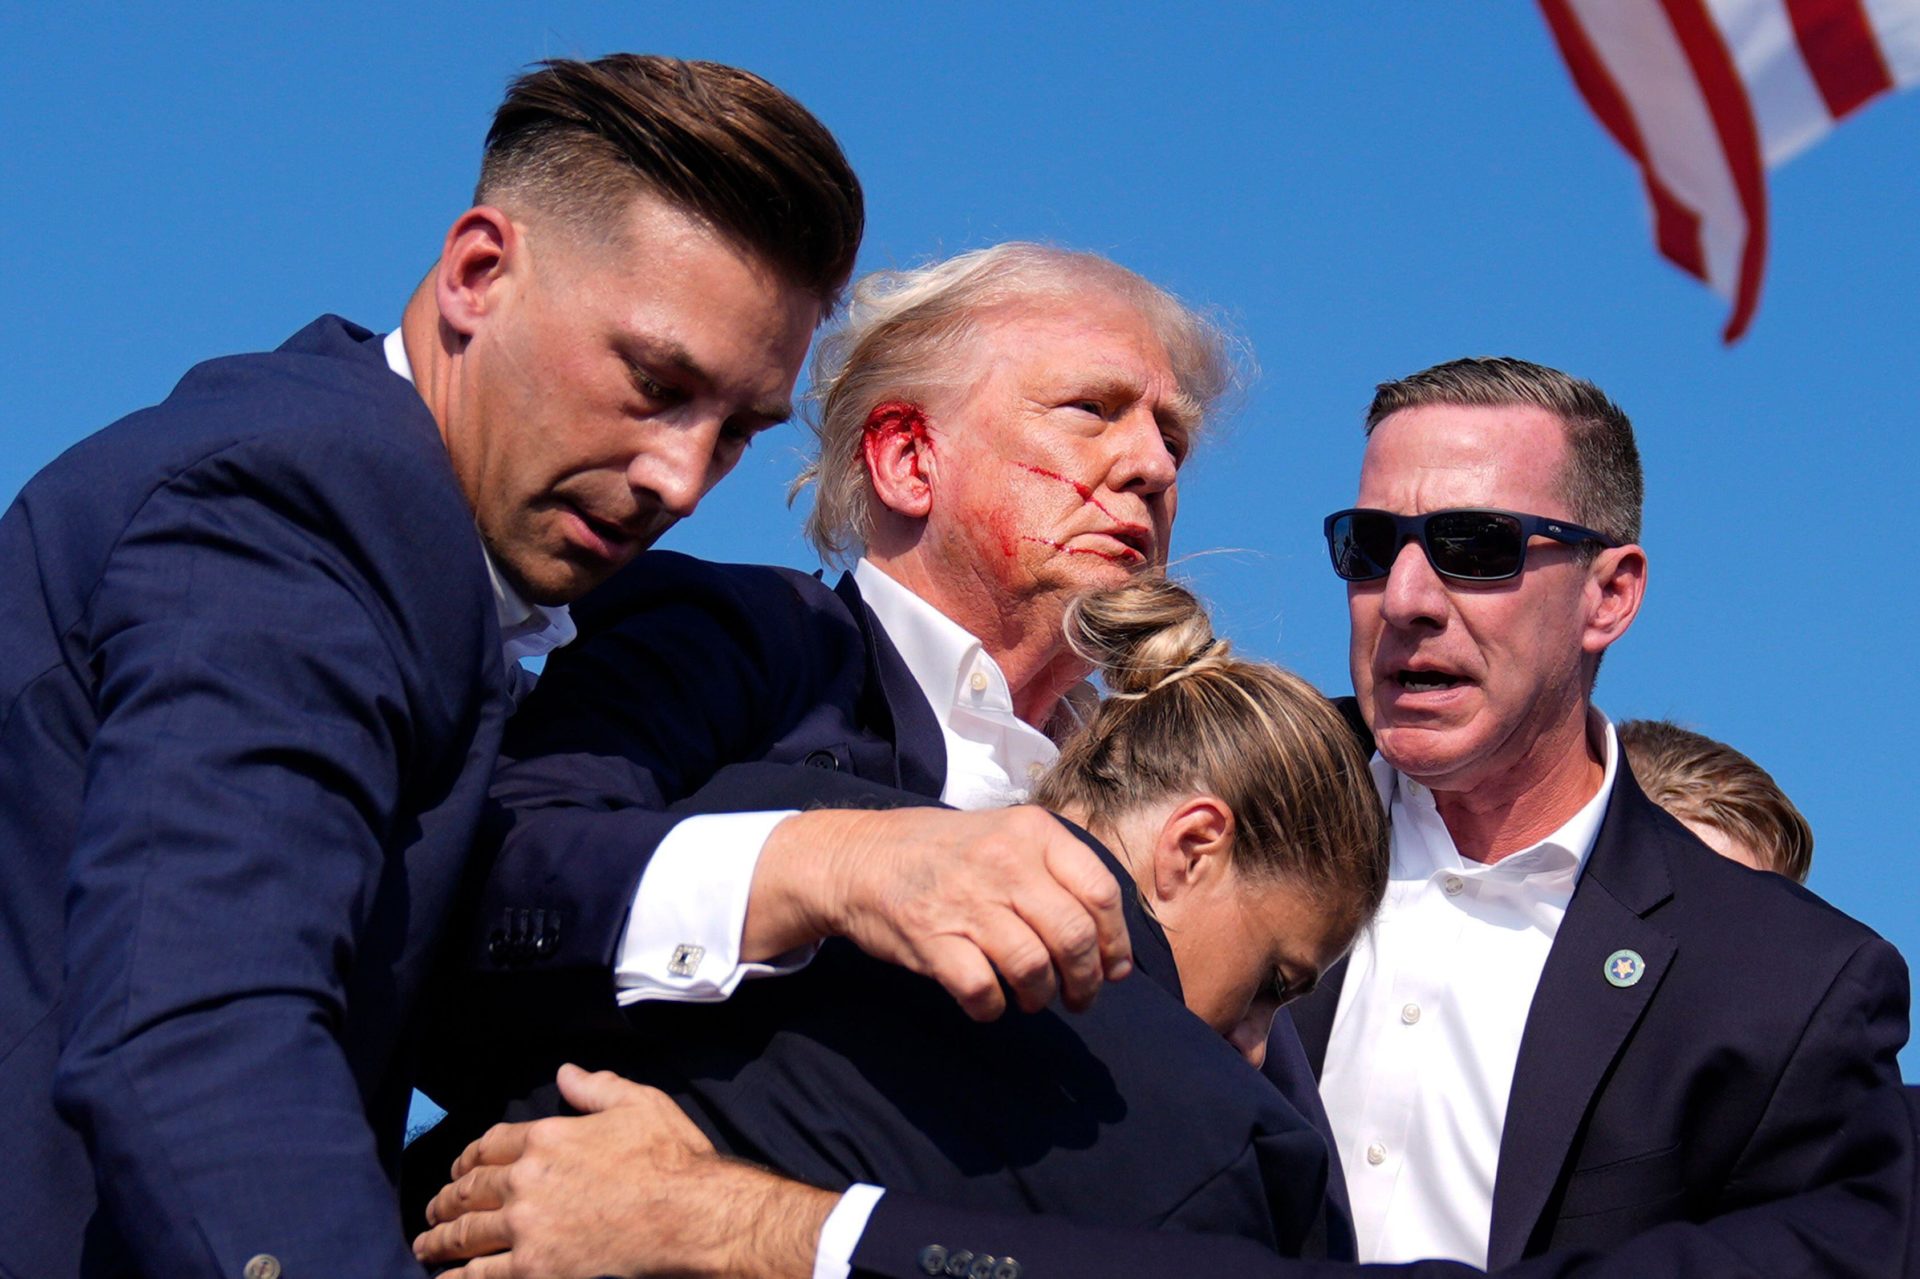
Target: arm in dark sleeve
x: 681, y: 668
x: 1859, y: 1221
x: 1848, y: 1049
x: 243, y: 795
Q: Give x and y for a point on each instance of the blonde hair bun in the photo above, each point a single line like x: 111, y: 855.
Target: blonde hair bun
x: 1144, y: 634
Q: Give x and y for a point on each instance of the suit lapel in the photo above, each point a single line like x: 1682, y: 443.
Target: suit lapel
x: 1579, y: 1020
x: 894, y: 702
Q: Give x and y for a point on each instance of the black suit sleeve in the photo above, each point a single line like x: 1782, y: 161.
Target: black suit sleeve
x: 681, y: 667
x: 244, y: 789
x: 1849, y: 1048
x: 1861, y: 1222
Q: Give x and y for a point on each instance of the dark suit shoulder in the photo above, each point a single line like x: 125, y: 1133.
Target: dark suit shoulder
x: 1747, y: 908
x: 782, y: 599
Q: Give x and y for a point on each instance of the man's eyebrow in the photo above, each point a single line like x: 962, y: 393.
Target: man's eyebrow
x: 1181, y: 412
x: 671, y: 357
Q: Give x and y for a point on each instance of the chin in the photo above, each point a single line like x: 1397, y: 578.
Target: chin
x: 1428, y: 755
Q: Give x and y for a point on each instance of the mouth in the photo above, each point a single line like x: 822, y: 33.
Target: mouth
x: 1427, y: 681
x: 604, y: 538
x: 1136, y: 538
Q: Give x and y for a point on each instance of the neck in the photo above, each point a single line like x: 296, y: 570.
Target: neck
x: 430, y: 353
x: 1526, y: 803
x: 1023, y: 637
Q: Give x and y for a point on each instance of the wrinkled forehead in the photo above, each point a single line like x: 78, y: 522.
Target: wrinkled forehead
x: 1437, y: 456
x: 1087, y: 341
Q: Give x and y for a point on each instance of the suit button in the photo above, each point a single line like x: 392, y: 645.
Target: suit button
x: 264, y: 1266
x: 1007, y: 1269
x: 822, y: 759
x: 982, y: 1267
x: 958, y: 1262
x: 933, y: 1259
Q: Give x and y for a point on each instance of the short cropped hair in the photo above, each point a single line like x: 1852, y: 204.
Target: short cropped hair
x: 1701, y: 780
x: 1185, y: 715
x: 581, y: 139
x: 1602, y: 485
x: 906, y: 334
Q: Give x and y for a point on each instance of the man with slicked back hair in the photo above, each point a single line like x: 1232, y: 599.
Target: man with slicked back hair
x: 257, y: 661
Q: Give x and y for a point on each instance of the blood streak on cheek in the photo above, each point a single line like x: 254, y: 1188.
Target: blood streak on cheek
x: 1000, y: 523
x: 1116, y: 557
x: 1085, y: 493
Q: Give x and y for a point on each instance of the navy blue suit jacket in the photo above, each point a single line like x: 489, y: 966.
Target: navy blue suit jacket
x: 681, y: 667
x: 1720, y: 1080
x: 1132, y: 1113
x: 1859, y: 1219
x: 250, y: 694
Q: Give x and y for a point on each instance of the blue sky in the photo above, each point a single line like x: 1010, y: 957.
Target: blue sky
x: 1362, y: 189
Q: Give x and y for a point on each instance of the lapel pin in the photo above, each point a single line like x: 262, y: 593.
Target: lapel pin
x: 1624, y: 968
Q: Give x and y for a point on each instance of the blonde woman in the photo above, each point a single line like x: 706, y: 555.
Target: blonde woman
x: 1233, y: 799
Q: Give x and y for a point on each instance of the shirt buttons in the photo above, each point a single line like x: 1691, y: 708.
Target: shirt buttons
x: 1410, y: 1014
x: 1453, y: 885
x: 1034, y: 771
x: 977, y: 681
x: 1376, y: 1154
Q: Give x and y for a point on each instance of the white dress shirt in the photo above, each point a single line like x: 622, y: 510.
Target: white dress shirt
x: 1421, y: 1056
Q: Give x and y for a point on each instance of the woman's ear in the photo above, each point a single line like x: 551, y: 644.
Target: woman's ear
x: 1194, y: 848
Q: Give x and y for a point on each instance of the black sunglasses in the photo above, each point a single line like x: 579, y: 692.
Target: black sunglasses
x: 1466, y: 544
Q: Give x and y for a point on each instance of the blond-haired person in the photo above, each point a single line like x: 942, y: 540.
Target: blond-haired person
x: 1231, y: 800
x: 1730, y: 802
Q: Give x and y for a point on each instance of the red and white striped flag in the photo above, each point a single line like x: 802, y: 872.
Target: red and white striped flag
x: 1707, y: 95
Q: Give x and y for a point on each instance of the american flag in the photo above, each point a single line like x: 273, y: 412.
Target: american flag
x: 1706, y: 96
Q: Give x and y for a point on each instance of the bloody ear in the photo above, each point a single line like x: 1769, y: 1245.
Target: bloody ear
x: 899, y: 453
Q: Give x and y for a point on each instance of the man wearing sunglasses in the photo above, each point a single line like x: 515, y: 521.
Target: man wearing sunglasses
x: 1573, y: 1022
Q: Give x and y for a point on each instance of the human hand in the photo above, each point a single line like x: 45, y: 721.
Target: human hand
x: 630, y: 1187
x: 954, y: 896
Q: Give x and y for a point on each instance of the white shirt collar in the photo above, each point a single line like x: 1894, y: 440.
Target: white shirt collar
x: 993, y: 756
x: 1562, y: 853
x: 942, y: 655
x: 526, y: 629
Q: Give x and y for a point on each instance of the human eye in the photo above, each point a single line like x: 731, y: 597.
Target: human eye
x: 650, y: 388
x: 1176, y: 445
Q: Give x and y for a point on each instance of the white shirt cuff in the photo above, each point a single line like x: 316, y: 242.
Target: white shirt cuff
x: 682, y: 939
x: 840, y: 1233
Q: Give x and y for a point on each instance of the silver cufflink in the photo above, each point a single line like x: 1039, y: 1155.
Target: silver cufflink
x: 686, y: 958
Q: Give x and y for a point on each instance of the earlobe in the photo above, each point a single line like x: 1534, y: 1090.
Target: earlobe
x: 478, y: 250
x: 898, y: 446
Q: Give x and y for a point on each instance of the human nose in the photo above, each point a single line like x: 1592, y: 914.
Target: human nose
x: 1250, y: 1036
x: 1414, y: 592
x: 1146, y: 464
x: 676, y: 467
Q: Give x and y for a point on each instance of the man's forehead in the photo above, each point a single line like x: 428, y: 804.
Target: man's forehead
x: 1461, y: 454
